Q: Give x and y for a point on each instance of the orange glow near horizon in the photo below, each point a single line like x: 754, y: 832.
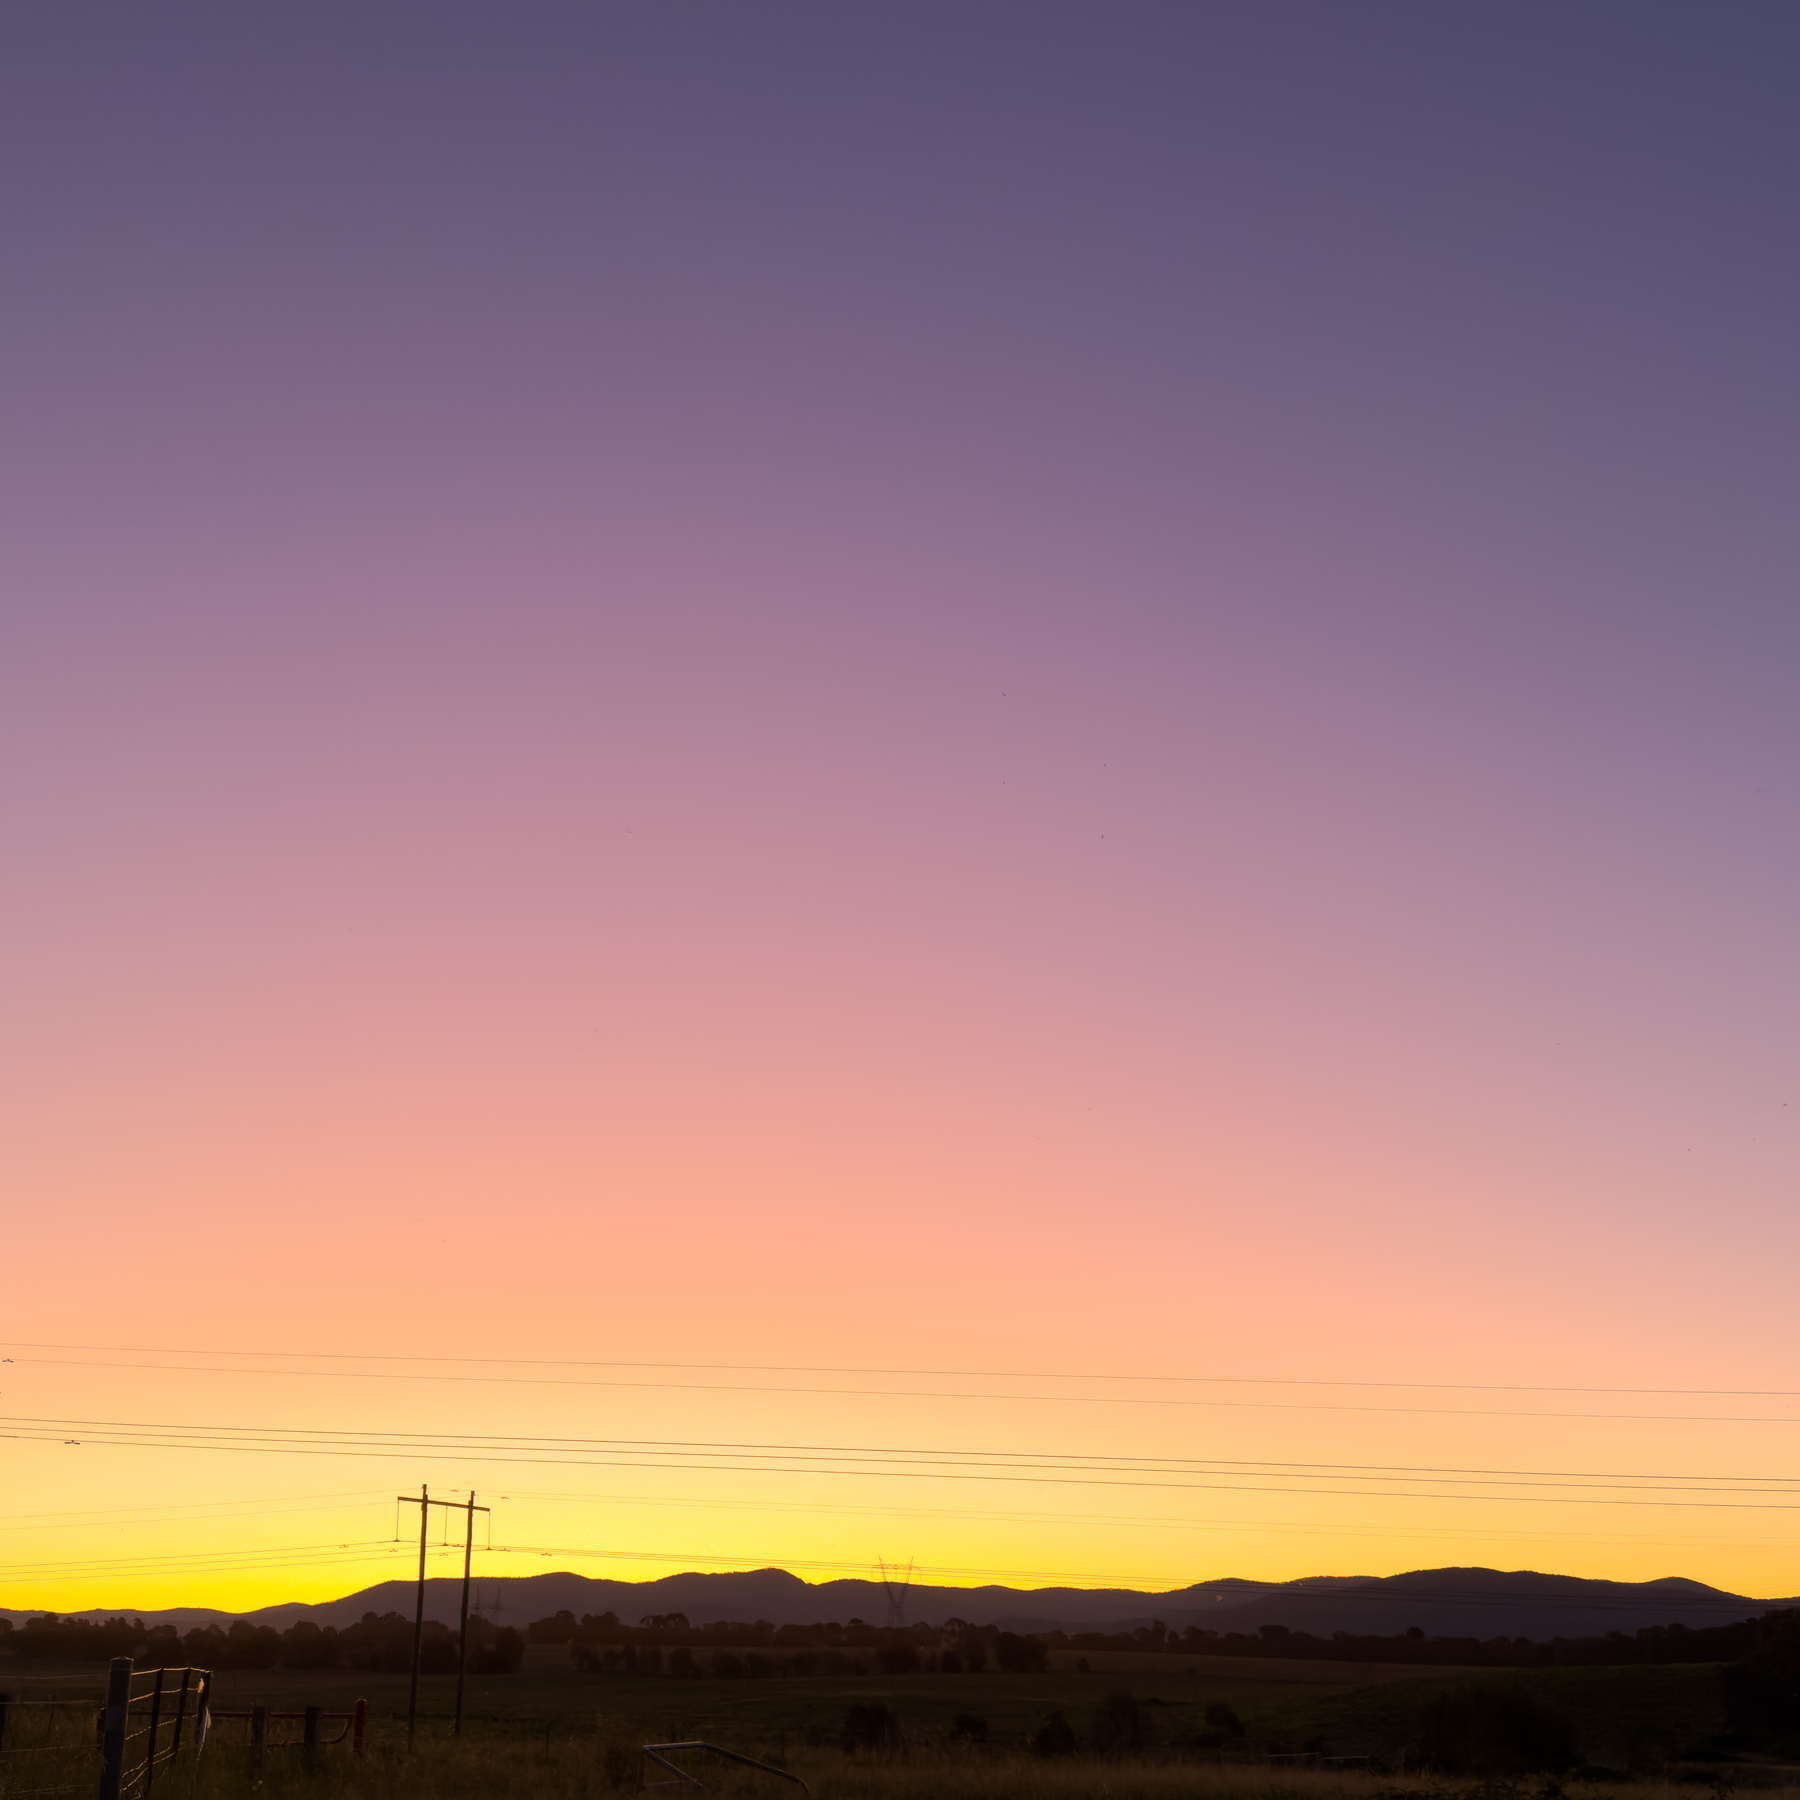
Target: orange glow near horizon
x: 1063, y: 735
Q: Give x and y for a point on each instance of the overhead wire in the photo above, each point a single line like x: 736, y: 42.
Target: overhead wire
x: 1578, y: 1487
x: 947, y: 1374
x: 1010, y: 1399
x: 1136, y: 1521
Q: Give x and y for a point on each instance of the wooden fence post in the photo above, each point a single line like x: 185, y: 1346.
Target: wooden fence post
x: 202, y: 1713
x: 5, y: 1708
x: 362, y: 1720
x: 112, y: 1741
x: 187, y: 1676
x: 162, y: 1675
x: 259, y: 1741
x: 309, y: 1740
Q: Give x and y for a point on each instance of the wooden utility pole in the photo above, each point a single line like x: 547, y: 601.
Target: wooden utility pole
x: 462, y: 1639
x: 425, y: 1503
x: 412, y: 1698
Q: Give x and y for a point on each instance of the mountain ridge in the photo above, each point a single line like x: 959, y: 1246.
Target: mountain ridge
x: 1448, y: 1602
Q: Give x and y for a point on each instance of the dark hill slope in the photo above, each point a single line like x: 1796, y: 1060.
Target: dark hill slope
x: 1481, y: 1603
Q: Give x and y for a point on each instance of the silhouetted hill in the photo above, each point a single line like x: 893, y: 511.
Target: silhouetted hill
x: 1481, y: 1603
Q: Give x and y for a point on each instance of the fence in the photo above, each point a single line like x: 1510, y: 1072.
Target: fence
x: 164, y: 1700
x: 48, y: 1744
x: 77, y: 1744
x: 312, y: 1738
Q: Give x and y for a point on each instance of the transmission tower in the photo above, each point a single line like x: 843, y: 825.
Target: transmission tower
x: 895, y: 1583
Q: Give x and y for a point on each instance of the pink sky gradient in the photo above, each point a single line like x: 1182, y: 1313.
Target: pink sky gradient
x: 1083, y: 690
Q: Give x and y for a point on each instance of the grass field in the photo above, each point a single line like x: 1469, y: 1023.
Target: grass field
x: 552, y: 1730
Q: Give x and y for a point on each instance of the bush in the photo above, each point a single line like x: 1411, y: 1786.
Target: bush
x: 969, y: 1725
x: 897, y: 1659
x: 1762, y: 1696
x: 1495, y: 1730
x: 1117, y: 1725
x: 1220, y: 1717
x: 1054, y: 1738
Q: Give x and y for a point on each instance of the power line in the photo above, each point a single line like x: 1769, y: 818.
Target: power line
x: 175, y: 1513
x: 1136, y: 1521
x: 843, y: 1393
x: 1772, y: 1492
x: 1484, y: 1387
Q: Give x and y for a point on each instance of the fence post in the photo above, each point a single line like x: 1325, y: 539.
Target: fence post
x: 362, y: 1719
x: 112, y: 1742
x: 5, y: 1708
x: 155, y: 1720
x: 309, y: 1741
x: 259, y: 1741
x: 187, y: 1675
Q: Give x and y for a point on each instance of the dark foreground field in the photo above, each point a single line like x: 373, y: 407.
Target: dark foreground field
x: 551, y: 1730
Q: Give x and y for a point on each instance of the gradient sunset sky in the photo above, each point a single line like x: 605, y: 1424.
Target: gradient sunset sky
x: 892, y: 735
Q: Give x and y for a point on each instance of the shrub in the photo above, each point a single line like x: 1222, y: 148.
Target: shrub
x: 1117, y: 1725
x: 1053, y: 1737
x: 1488, y: 1729
x: 897, y: 1659
x: 1762, y: 1696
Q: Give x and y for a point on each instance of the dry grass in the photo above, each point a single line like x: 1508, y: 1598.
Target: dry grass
x: 598, y: 1767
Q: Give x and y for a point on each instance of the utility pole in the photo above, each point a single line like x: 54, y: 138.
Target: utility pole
x: 425, y: 1503
x: 462, y: 1639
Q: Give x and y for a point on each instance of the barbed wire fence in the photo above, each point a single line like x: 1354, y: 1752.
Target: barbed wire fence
x: 148, y: 1713
x: 49, y: 1743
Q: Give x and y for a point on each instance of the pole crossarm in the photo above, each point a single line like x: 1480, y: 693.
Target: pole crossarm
x: 447, y: 1505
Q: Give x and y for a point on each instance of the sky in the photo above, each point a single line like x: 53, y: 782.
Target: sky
x: 1006, y: 785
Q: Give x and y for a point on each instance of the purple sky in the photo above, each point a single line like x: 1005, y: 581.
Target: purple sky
x: 851, y: 638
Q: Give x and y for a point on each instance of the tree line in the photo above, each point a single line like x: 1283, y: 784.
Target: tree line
x: 378, y: 1642
x: 957, y: 1646
x: 1652, y: 1644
